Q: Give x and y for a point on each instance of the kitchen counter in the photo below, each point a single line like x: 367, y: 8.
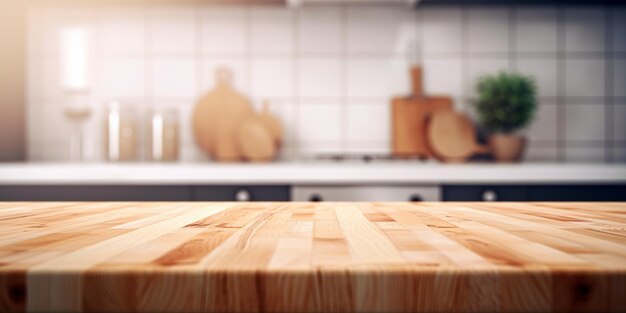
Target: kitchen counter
x: 296, y: 257
x: 394, y: 172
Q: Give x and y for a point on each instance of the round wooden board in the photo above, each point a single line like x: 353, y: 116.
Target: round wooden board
x: 255, y: 140
x: 272, y: 123
x: 452, y: 136
x: 217, y: 116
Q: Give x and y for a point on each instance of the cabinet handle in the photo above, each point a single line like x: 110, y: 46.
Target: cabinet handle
x: 243, y: 195
x: 316, y: 197
x: 415, y: 198
x: 490, y: 195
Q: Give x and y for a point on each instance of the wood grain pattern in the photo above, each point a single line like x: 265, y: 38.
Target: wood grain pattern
x: 410, y: 115
x: 312, y: 257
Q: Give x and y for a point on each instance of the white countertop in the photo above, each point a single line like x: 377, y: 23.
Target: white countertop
x: 306, y: 173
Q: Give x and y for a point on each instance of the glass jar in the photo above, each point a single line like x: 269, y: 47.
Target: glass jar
x: 163, y: 135
x: 120, y: 135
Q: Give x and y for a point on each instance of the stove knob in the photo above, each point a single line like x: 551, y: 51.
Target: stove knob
x: 490, y: 195
x: 316, y: 197
x: 415, y: 198
x: 243, y: 195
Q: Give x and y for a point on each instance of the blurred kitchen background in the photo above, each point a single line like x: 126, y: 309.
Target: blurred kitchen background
x: 328, y: 70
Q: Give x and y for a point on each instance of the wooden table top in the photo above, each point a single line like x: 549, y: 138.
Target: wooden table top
x: 105, y: 256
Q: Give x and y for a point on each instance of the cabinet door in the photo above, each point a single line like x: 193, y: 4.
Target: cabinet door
x: 535, y: 193
x: 366, y: 193
x: 485, y: 193
x: 578, y: 193
x: 95, y: 193
x: 242, y: 193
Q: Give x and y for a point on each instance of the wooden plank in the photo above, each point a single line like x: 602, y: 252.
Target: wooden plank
x: 365, y: 242
x: 49, y: 285
x: 312, y: 257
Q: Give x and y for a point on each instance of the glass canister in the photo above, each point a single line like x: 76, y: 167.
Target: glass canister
x: 120, y: 135
x: 163, y: 135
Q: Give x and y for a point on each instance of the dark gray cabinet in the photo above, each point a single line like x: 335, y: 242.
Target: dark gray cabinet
x: 145, y: 193
x: 283, y: 193
x: 534, y: 193
x: 242, y: 193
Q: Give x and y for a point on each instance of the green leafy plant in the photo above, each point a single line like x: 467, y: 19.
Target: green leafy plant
x: 506, y: 102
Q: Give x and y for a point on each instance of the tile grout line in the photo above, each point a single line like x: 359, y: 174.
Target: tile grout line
x: 248, y: 49
x: 149, y: 62
x: 343, y: 104
x: 199, y: 44
x: 560, y: 118
x: 608, y: 89
x: 464, y: 58
x: 479, y: 55
x: 97, y: 152
x: 192, y: 149
x: 295, y: 68
x: 513, y: 37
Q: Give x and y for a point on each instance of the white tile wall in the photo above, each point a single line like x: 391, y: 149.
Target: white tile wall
x: 584, y: 78
x: 541, y: 154
x: 545, y: 73
x: 320, y: 78
x: 444, y: 76
x: 122, y: 78
x: 619, y: 29
x: 536, y: 30
x: 619, y: 155
x: 584, y: 30
x: 584, y: 122
x: 174, y: 78
x: 619, y: 120
x: 123, y: 31
x: 271, y: 30
x: 329, y: 71
x: 224, y: 30
x: 442, y: 30
x: 368, y: 123
x: 488, y: 30
x: 320, y: 30
x: 544, y: 127
x: 377, y: 78
x: 272, y: 78
x: 319, y: 122
x: 619, y: 77
x: 585, y: 155
x: 385, y: 30
x: 173, y: 31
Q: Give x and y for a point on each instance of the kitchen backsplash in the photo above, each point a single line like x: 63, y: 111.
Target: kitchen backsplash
x: 330, y: 71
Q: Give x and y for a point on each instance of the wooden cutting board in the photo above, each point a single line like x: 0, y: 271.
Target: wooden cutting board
x: 217, y: 116
x: 452, y: 137
x: 409, y: 119
x: 306, y: 257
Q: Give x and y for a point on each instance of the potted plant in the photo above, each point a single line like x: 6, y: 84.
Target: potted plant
x: 506, y: 103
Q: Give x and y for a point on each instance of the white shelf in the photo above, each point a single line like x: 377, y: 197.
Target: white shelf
x: 306, y: 173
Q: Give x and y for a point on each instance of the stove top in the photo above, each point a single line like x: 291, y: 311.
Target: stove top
x: 361, y: 158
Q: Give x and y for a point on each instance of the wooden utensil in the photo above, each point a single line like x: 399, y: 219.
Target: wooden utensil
x: 272, y: 123
x: 409, y: 116
x: 452, y: 137
x: 217, y: 116
x: 255, y: 139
